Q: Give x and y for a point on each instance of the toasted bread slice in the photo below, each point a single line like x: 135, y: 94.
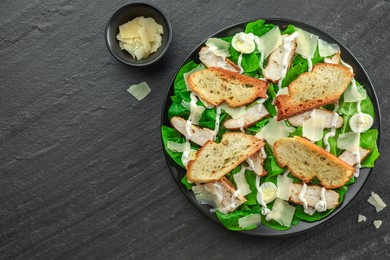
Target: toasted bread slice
x: 273, y: 70
x: 350, y: 158
x: 327, y: 115
x: 219, y: 194
x: 216, y: 85
x: 199, y: 135
x: 306, y: 160
x: 209, y: 59
x: 215, y: 160
x: 313, y: 195
x: 253, y: 115
x: 324, y: 85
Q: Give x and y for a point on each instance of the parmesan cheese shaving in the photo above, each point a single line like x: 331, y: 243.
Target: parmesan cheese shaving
x: 349, y: 141
x: 327, y: 49
x: 352, y: 94
x: 377, y: 223
x: 361, y: 218
x: 242, y: 186
x: 176, y: 147
x: 282, y: 212
x: 274, y: 130
x: 218, y: 47
x: 235, y: 112
x: 313, y: 128
x: 376, y: 201
x: 269, y: 42
x: 249, y: 221
x: 139, y: 91
x: 284, y: 187
x: 306, y: 44
x: 140, y: 37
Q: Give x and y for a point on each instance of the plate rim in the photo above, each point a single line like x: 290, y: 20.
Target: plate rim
x: 275, y: 233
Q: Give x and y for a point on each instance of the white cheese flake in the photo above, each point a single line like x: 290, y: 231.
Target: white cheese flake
x: 306, y: 44
x: 327, y: 49
x: 269, y: 42
x: 361, y: 218
x: 242, y: 186
x: 284, y: 187
x: 349, y: 141
x: 376, y: 201
x: 282, y: 212
x: 219, y: 47
x: 353, y: 94
x: 274, y: 130
x: 313, y: 128
x: 249, y: 221
x: 377, y: 223
x: 234, y: 112
x: 197, y: 114
x: 139, y: 91
x: 176, y: 147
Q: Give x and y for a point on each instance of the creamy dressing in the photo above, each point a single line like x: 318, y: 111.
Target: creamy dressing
x: 301, y: 195
x: 185, y: 158
x: 241, y: 123
x: 309, y: 65
x: 239, y: 63
x: 332, y: 132
x: 258, y: 45
x: 216, y: 128
x: 260, y: 197
x: 321, y: 205
x: 356, y: 153
x: 286, y: 53
x: 263, y: 153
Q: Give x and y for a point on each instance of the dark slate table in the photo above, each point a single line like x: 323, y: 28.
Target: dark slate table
x: 82, y: 172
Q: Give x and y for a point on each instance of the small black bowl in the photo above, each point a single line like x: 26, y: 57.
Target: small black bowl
x: 127, y: 13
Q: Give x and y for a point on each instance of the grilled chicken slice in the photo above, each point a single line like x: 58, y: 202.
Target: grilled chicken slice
x: 253, y: 115
x: 313, y: 195
x: 218, y: 194
x: 350, y: 158
x: 256, y: 161
x: 328, y: 115
x: 209, y: 59
x: 199, y: 135
x: 272, y: 71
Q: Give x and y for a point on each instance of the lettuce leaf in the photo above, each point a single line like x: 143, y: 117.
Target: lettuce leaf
x: 368, y: 140
x: 258, y: 27
x: 179, y: 84
x: 230, y: 220
x: 188, y: 185
x: 170, y: 134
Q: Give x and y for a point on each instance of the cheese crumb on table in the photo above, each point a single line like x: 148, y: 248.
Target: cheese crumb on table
x: 361, y: 218
x: 377, y: 223
x: 376, y: 201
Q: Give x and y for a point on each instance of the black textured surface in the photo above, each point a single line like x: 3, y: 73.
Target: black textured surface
x: 82, y: 173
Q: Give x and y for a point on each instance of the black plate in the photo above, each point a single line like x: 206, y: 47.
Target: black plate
x: 360, y: 75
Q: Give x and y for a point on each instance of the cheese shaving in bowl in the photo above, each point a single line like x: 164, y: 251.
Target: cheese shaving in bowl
x: 140, y: 37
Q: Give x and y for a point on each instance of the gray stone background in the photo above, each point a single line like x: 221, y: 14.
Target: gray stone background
x: 82, y: 172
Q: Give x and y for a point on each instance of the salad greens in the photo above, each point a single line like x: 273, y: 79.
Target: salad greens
x: 250, y: 66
